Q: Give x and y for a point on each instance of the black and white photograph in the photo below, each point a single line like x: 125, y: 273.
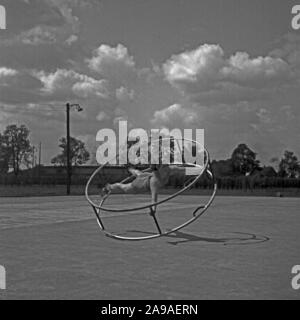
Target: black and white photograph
x: 149, y: 151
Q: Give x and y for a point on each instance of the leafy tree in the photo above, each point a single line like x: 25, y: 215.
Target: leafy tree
x: 3, y: 156
x: 78, y: 153
x: 244, y: 160
x: 16, y: 149
x: 289, y: 166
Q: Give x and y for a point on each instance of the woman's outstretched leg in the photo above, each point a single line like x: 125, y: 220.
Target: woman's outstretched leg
x: 118, y: 187
x: 154, y: 188
x: 135, y: 172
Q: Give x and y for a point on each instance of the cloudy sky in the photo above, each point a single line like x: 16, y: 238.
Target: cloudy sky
x: 230, y: 67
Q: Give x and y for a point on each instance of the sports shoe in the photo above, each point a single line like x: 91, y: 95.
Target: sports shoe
x: 105, y: 190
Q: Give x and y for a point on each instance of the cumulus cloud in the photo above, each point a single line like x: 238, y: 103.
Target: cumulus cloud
x: 175, y: 116
x: 73, y: 38
x: 106, y: 57
x: 65, y: 31
x: 113, y: 63
x: 7, y: 72
x: 63, y: 82
x: 123, y: 94
x: 38, y: 35
x: 206, y: 71
x: 198, y: 66
x: 257, y: 71
x: 90, y: 87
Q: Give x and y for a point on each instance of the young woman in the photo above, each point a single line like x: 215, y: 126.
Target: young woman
x: 152, y: 181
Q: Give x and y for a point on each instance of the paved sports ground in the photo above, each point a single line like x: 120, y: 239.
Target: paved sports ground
x: 242, y: 248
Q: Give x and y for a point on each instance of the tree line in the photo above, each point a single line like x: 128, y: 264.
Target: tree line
x: 243, y: 162
x: 17, y: 153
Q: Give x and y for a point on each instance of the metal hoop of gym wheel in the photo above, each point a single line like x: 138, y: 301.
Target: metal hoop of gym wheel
x: 196, y: 214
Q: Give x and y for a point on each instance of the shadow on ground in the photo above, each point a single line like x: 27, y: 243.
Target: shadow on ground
x: 238, y: 238
x: 235, y: 238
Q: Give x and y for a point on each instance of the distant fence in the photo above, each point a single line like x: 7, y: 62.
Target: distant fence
x: 246, y: 183
x: 57, y: 176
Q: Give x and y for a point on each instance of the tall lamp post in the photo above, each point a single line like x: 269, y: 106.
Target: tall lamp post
x: 77, y: 107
